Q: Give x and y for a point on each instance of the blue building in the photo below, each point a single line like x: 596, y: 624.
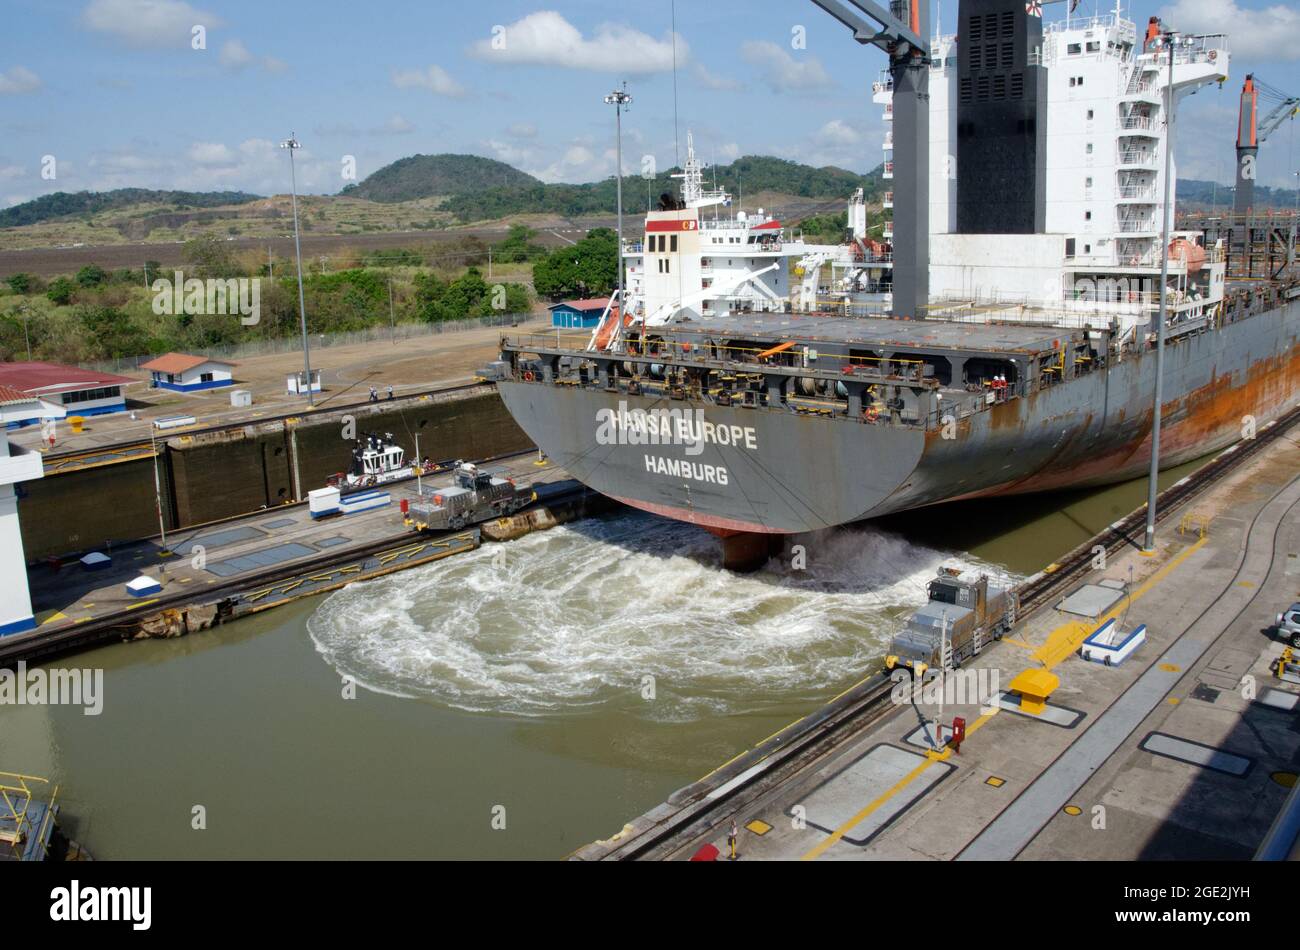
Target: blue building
x: 578, y: 314
x: 183, y: 373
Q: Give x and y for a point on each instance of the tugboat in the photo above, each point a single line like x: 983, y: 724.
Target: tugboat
x: 376, y: 460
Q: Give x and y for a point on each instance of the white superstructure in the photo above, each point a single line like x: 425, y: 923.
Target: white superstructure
x: 696, y: 257
x: 1106, y: 109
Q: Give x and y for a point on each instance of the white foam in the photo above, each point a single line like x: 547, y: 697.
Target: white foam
x: 578, y: 615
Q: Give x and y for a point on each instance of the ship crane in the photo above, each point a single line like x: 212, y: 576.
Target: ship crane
x: 899, y: 31
x: 1252, y: 132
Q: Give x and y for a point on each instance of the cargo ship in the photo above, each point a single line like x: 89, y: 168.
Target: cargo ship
x: 740, y: 388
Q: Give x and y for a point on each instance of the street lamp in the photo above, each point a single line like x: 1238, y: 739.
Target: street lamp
x: 620, y: 100
x: 1149, y: 542
x: 292, y: 144
x: 23, y: 308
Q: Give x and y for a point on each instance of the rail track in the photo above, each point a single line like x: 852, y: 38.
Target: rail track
x: 1043, y: 586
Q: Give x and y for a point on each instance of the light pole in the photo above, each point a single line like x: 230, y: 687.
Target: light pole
x: 620, y: 100
x: 23, y: 308
x: 1149, y: 542
x: 292, y: 144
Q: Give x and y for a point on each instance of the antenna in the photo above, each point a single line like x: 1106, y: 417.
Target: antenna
x: 677, y: 156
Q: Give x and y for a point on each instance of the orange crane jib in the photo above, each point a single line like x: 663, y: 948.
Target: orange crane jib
x: 780, y: 347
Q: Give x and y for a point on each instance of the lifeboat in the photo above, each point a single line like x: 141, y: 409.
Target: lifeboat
x: 1193, y: 255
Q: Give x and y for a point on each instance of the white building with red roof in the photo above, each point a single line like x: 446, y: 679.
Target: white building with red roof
x: 183, y: 372
x: 81, y: 392
x: 17, y: 465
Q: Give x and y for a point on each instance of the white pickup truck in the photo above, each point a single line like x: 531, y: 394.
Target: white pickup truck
x: 1288, y: 624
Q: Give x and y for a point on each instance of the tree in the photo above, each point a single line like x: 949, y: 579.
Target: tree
x: 20, y: 283
x: 210, y: 257
x: 587, y: 269
x: 518, y: 246
x: 92, y: 275
x: 60, y: 291
x: 114, y: 334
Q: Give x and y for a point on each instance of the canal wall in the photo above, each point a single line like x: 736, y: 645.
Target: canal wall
x: 222, y: 474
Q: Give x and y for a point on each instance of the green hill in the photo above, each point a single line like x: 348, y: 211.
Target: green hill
x: 428, y: 176
x: 748, y: 175
x: 61, y: 203
x: 1194, y: 191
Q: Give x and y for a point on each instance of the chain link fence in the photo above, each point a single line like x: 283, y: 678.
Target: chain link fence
x: 320, y: 341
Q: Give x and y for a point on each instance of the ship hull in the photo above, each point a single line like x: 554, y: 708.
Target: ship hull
x: 792, y: 472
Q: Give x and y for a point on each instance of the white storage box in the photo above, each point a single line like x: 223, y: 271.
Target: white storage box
x: 1110, y: 645
x: 323, y: 502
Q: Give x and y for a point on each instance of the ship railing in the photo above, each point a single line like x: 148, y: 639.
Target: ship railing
x: 1136, y: 156
x: 731, y: 356
x: 1137, y: 122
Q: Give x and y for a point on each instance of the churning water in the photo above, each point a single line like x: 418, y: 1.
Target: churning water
x: 597, y: 614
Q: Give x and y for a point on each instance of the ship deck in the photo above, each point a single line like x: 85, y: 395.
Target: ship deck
x: 875, y: 332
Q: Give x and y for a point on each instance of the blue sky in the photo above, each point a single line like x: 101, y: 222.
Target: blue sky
x: 113, y: 90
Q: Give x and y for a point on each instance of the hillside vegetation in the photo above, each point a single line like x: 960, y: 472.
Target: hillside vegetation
x: 748, y: 175
x: 61, y: 203
x: 428, y: 176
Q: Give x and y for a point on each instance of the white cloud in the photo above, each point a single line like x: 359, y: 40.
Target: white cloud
x: 546, y: 38
x: 711, y: 81
x: 523, y: 130
x: 210, y: 153
x: 1268, y: 34
x: 396, y: 125
x: 838, y: 132
x: 781, y: 71
x: 18, y: 80
x: 235, y: 56
x: 157, y: 24
x: 436, y: 79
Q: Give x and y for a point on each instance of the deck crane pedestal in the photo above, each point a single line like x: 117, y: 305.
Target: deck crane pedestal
x: 899, y: 31
x: 1252, y: 132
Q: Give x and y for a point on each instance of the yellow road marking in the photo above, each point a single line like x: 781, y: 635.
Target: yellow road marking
x: 930, y: 759
x: 143, y: 603
x: 1053, y: 649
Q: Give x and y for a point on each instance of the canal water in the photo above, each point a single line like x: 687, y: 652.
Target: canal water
x: 519, y: 701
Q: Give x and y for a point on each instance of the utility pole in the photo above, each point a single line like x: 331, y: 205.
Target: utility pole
x: 292, y: 144
x: 620, y: 100
x: 22, y: 308
x: 392, y: 321
x: 419, y: 469
x: 157, y: 486
x: 1149, y: 543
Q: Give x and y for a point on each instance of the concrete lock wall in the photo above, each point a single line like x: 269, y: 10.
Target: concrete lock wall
x: 83, y: 510
x: 239, y: 470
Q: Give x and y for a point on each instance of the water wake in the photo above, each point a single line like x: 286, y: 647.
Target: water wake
x: 599, y: 613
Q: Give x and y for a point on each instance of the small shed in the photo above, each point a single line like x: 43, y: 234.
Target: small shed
x: 143, y: 586
x: 183, y: 372
x: 579, y: 314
